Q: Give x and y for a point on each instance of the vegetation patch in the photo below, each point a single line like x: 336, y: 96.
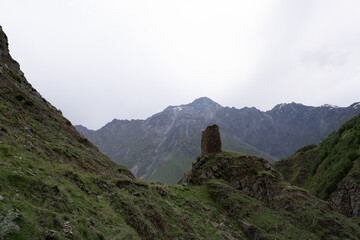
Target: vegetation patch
x: 337, y: 155
x: 266, y: 173
x: 19, y: 97
x: 305, y: 148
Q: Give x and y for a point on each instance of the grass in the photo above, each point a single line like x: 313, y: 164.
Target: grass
x: 266, y: 173
x: 301, y: 221
x: 297, y: 168
x: 172, y: 170
x: 234, y: 145
x: 54, y: 194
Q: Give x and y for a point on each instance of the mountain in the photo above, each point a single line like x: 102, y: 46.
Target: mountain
x: 330, y: 170
x: 162, y: 147
x: 54, y: 184
x: 285, y: 128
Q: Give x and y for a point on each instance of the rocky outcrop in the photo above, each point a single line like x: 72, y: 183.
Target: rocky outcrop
x: 246, y: 186
x: 5, y: 54
x: 251, y: 175
x: 346, y: 199
x: 210, y: 140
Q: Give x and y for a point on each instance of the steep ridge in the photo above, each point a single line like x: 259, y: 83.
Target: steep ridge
x: 161, y: 148
x: 29, y: 120
x: 330, y: 170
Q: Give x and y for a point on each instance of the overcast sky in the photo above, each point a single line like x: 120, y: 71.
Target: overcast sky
x: 100, y: 60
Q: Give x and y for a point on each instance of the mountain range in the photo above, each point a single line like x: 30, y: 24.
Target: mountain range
x: 162, y: 147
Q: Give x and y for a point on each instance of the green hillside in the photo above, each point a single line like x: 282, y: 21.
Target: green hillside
x: 297, y: 168
x: 330, y: 169
x: 338, y: 160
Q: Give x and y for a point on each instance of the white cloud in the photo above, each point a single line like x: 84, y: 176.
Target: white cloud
x: 97, y: 60
x: 325, y: 58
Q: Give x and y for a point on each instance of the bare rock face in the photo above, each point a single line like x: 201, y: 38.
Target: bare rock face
x: 5, y: 55
x: 210, y: 140
x: 346, y: 199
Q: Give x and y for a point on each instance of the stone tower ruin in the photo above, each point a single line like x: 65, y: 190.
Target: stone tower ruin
x: 210, y: 140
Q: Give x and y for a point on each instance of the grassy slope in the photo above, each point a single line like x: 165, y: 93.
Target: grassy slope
x: 282, y: 212
x: 296, y: 168
x: 175, y: 165
x: 338, y: 160
x: 301, y: 221
x: 234, y: 145
x: 57, y: 199
x: 321, y: 168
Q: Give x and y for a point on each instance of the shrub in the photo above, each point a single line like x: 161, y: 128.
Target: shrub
x: 353, y: 156
x: 15, y: 76
x: 19, y: 97
x: 306, y: 148
x: 29, y: 103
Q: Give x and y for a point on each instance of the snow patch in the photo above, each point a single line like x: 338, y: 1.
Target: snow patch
x: 177, y: 108
x: 329, y: 106
x: 280, y: 106
x: 357, y: 105
x: 293, y: 108
x: 135, y: 169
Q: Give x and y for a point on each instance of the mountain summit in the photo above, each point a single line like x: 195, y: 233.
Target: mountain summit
x: 203, y: 101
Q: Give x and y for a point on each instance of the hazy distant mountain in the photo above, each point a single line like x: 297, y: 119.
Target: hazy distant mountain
x: 162, y: 147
